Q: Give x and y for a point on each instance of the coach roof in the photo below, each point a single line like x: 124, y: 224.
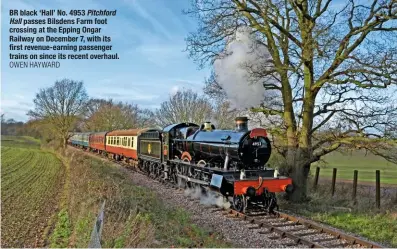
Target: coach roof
x: 128, y: 132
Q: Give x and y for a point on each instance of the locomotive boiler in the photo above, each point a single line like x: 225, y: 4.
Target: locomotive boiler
x: 228, y: 149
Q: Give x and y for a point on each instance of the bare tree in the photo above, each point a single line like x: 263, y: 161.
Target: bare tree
x: 184, y: 106
x: 332, y: 62
x: 61, y: 105
x: 106, y: 115
x: 146, y: 118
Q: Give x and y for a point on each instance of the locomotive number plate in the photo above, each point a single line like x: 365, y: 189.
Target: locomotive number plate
x: 257, y: 144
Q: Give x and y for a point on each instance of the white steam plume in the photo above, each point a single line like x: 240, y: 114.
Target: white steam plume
x: 213, y: 199
x: 238, y: 68
x: 208, y: 199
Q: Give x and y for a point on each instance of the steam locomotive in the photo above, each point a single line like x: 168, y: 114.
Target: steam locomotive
x: 229, y: 161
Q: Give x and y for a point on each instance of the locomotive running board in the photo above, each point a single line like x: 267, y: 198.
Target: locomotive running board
x: 193, y: 180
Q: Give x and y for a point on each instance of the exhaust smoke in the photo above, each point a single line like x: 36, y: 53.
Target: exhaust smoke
x: 241, y: 70
x: 207, y: 199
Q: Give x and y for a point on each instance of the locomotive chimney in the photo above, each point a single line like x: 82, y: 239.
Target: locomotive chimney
x: 241, y: 124
x: 207, y: 126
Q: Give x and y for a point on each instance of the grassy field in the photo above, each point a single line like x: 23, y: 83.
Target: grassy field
x: 357, y: 160
x: 30, y: 180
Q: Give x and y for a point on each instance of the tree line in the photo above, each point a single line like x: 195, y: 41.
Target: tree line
x: 66, y: 107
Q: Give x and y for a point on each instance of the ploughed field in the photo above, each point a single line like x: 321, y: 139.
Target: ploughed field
x: 30, y: 182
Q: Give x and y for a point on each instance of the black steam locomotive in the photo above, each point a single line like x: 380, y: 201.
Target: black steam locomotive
x: 228, y: 149
x: 231, y: 161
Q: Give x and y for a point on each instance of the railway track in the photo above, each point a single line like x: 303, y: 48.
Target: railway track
x: 299, y: 231
x: 295, y: 231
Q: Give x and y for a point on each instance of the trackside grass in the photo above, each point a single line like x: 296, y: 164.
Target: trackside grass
x: 360, y: 217
x: 378, y: 227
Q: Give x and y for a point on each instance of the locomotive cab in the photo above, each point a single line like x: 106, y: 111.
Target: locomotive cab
x: 173, y: 134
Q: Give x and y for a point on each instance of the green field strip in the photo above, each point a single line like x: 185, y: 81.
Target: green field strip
x: 24, y: 171
x: 27, y: 180
x: 16, y: 164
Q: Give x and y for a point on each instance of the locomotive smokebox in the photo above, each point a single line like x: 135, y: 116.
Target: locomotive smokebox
x: 241, y: 124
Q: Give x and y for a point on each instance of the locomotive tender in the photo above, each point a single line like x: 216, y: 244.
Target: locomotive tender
x: 230, y: 161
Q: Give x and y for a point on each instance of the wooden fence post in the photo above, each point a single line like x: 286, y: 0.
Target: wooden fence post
x: 333, y: 181
x: 378, y: 188
x: 355, y: 186
x: 316, y: 177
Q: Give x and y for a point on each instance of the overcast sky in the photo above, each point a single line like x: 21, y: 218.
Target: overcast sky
x: 149, y: 38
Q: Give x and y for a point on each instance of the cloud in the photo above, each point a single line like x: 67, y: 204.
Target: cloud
x: 174, y: 90
x: 13, y: 108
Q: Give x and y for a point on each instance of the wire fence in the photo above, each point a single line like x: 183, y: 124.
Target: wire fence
x: 95, y: 241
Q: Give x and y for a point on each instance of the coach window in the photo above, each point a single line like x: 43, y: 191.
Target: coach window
x: 129, y: 142
x: 132, y: 142
x: 125, y: 141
